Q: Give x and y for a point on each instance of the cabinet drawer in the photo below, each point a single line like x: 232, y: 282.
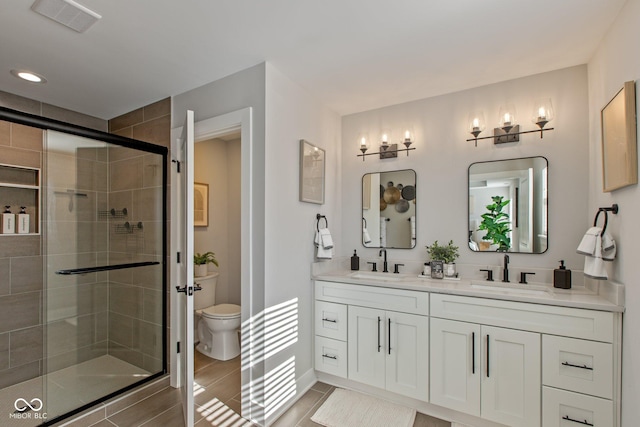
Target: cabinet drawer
x: 401, y: 300
x: 578, y: 365
x: 570, y: 322
x: 331, y: 356
x: 331, y: 320
x: 562, y: 408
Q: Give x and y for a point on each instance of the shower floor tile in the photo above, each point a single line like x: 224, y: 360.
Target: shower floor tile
x: 69, y: 388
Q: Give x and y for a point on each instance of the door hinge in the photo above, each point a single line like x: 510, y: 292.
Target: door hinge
x: 178, y: 347
x: 178, y: 257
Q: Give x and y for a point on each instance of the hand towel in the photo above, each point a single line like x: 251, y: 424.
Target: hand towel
x: 594, y: 264
x: 588, y: 244
x: 322, y: 252
x: 366, y: 238
x: 383, y: 232
x: 608, y: 247
x: 325, y: 238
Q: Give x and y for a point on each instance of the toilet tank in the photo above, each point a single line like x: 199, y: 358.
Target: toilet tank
x: 207, y: 296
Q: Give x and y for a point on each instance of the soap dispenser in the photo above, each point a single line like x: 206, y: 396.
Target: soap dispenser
x: 562, y: 277
x: 355, y: 261
x: 8, y: 221
x: 23, y: 221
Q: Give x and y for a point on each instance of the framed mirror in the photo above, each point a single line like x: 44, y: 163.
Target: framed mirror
x: 389, y: 209
x: 508, y: 205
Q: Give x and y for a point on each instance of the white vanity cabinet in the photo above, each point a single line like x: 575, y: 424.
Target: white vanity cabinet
x: 387, y: 340
x: 524, y: 364
x: 486, y: 371
x: 389, y: 350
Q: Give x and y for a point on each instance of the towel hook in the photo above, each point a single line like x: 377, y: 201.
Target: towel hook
x: 318, y: 218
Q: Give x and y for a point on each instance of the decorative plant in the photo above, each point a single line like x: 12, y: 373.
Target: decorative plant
x: 496, y: 223
x: 205, y: 258
x: 447, y: 253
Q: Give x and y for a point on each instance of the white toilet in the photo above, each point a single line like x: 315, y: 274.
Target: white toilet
x: 217, y: 325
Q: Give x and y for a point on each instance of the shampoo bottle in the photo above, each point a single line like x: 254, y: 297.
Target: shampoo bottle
x: 562, y: 277
x: 23, y: 221
x: 355, y: 261
x: 8, y: 221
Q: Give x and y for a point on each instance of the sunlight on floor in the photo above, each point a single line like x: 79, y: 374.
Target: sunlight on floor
x: 220, y: 415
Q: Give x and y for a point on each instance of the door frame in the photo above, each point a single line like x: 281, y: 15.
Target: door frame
x: 239, y: 120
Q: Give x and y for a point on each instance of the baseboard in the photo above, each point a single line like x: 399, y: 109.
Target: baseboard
x: 303, y: 384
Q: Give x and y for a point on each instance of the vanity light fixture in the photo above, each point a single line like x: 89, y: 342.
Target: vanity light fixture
x: 509, y: 130
x: 29, y: 76
x: 387, y: 151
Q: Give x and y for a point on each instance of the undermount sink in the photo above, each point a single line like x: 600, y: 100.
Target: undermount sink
x: 512, y: 289
x: 387, y: 277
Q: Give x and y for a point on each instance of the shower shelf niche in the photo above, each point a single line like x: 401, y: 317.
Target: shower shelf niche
x: 20, y: 186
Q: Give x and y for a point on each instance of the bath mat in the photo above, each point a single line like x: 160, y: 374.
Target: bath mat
x: 353, y: 409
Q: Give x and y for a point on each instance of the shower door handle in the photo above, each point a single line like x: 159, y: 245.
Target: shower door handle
x: 188, y: 290
x: 197, y: 287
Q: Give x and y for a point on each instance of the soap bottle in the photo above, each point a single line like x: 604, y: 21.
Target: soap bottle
x: 8, y: 221
x: 23, y: 221
x: 562, y: 277
x: 355, y: 261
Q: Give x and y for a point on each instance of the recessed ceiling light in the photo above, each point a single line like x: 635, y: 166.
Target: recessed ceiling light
x: 28, y: 76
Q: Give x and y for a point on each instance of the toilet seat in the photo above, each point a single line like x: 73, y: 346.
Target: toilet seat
x: 221, y: 311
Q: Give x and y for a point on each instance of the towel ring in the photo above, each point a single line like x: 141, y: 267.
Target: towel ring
x: 606, y: 220
x: 614, y: 208
x: 318, y: 218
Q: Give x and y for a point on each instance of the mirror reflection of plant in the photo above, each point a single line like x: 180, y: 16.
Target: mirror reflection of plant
x: 447, y: 254
x: 496, y: 223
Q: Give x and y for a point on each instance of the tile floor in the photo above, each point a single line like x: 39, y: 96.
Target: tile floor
x: 217, y: 403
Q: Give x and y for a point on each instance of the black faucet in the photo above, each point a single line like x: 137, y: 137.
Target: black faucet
x: 385, y: 266
x: 505, y: 270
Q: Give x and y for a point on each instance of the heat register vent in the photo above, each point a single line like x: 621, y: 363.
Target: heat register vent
x: 68, y: 13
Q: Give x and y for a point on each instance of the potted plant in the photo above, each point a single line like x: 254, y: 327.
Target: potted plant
x: 201, y: 261
x: 496, y: 223
x: 447, y: 254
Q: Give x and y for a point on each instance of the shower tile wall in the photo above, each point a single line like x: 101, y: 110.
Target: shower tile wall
x: 135, y: 310
x: 21, y: 273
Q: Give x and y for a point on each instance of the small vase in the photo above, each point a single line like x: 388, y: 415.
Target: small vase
x: 450, y: 269
x: 200, y: 270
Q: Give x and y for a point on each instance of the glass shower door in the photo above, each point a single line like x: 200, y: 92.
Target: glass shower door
x: 103, y: 244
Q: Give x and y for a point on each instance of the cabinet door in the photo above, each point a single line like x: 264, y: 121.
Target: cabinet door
x: 366, y: 349
x: 455, y: 365
x: 511, y: 377
x: 407, y: 366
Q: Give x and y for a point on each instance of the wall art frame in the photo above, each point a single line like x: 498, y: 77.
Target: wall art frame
x: 619, y: 140
x: 312, y: 170
x: 201, y: 204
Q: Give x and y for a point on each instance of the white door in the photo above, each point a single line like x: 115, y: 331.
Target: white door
x: 511, y: 377
x: 185, y: 286
x: 366, y: 345
x: 455, y: 365
x: 407, y: 365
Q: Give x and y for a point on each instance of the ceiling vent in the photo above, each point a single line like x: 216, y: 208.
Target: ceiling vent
x: 68, y: 13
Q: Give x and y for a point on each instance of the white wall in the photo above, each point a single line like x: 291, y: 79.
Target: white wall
x: 292, y: 114
x: 442, y: 158
x: 615, y: 62
x: 217, y: 163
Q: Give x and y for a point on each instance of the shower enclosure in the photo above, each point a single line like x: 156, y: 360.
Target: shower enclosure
x: 96, y: 323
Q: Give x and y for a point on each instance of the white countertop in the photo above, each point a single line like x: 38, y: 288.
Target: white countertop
x: 578, y: 297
